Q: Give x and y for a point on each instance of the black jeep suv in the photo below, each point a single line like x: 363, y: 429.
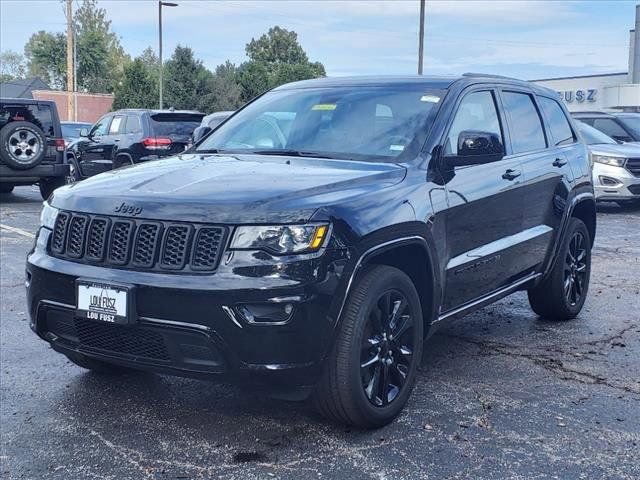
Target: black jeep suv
x: 31, y: 145
x: 127, y: 137
x: 319, y: 235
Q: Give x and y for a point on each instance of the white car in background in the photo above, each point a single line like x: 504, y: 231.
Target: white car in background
x: 616, y: 166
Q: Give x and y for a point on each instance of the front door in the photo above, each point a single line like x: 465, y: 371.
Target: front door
x: 485, y: 209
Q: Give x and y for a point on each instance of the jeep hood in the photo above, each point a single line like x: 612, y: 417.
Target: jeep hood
x: 228, y: 188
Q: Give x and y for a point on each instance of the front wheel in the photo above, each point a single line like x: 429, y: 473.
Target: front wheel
x: 371, y: 371
x: 562, y: 295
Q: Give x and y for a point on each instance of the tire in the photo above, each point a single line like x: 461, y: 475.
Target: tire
x: 74, y: 172
x: 562, y: 295
x: 22, y: 145
x: 96, y: 366
x: 6, y: 187
x: 346, y: 392
x: 48, y: 185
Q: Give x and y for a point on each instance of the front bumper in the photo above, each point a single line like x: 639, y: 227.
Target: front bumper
x: 193, y: 325
x: 32, y: 175
x: 615, y: 183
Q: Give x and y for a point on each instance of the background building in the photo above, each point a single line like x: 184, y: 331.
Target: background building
x: 602, y: 92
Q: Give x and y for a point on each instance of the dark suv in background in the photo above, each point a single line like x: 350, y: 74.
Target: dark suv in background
x: 622, y: 126
x: 127, y: 137
x: 31, y: 145
x: 319, y: 235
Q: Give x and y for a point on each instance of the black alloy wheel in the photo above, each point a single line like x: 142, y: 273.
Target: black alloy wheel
x: 575, y: 269
x: 387, y: 348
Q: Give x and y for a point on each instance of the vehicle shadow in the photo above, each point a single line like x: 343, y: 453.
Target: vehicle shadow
x: 612, y: 208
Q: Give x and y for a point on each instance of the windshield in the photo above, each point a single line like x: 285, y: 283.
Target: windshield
x: 72, y: 130
x: 593, y: 136
x: 631, y: 122
x: 362, y: 123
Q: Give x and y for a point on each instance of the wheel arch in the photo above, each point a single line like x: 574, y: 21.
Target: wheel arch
x: 413, y: 254
x: 585, y: 210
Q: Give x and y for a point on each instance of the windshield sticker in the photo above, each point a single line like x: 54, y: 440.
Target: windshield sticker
x: 430, y: 98
x: 396, y: 148
x: 324, y: 106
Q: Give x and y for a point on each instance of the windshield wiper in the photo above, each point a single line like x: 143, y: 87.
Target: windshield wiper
x: 293, y: 153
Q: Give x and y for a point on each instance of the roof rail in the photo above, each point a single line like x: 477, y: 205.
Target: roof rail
x: 487, y: 75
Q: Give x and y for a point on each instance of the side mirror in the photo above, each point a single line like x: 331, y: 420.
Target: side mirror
x: 84, y: 132
x: 200, y: 132
x: 476, y: 147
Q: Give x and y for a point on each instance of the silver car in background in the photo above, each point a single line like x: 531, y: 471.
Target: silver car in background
x: 616, y: 167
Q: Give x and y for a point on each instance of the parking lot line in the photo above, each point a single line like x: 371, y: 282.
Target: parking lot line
x: 19, y: 231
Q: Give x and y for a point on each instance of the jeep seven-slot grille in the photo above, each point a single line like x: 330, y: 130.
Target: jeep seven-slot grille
x: 633, y: 165
x: 137, y: 244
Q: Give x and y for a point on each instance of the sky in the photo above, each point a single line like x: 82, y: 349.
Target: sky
x: 525, y: 39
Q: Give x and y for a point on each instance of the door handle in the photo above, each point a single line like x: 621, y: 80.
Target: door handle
x: 116, y: 140
x: 511, y: 174
x: 559, y: 162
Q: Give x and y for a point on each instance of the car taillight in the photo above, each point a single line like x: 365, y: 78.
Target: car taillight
x: 153, y: 143
x: 60, y: 145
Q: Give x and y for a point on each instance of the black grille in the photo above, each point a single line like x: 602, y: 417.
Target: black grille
x: 633, y: 165
x: 121, y: 339
x: 60, y: 232
x: 137, y: 244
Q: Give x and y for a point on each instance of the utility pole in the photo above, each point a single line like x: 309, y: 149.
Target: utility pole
x: 70, y: 63
x: 160, y: 5
x: 421, y: 38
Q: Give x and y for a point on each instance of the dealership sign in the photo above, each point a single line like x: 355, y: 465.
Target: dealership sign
x: 580, y: 96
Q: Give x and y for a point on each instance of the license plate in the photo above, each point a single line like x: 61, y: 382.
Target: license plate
x: 103, y: 302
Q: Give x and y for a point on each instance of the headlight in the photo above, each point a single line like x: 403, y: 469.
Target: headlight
x: 280, y: 239
x: 48, y: 216
x: 615, y: 161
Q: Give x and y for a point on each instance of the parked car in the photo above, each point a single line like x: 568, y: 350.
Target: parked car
x: 71, y: 131
x: 209, y: 122
x: 616, y: 167
x: 622, y: 127
x: 127, y: 137
x: 31, y: 145
x: 322, y: 260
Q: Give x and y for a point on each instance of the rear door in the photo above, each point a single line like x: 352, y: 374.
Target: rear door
x: 546, y: 167
x: 485, y: 208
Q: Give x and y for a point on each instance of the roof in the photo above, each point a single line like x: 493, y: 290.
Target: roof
x: 154, y: 112
x: 429, y: 81
x: 21, y: 88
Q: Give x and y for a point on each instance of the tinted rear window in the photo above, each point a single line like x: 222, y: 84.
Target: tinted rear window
x: 526, y: 127
x: 174, y: 123
x: 39, y: 115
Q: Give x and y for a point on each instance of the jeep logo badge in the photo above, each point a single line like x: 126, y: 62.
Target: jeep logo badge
x: 128, y: 209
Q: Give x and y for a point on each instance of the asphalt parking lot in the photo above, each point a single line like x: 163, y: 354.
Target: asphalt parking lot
x: 501, y: 394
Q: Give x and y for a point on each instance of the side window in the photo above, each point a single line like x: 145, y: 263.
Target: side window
x: 117, y: 125
x: 100, y: 127
x: 133, y: 124
x: 558, y: 123
x: 477, y: 111
x: 611, y: 128
x: 525, y: 123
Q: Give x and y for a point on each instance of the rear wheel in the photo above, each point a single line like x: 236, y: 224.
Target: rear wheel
x: 371, y: 371
x: 97, y: 366
x: 562, y: 295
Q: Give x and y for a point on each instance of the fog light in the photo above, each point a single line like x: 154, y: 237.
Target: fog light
x: 608, y: 181
x: 266, y: 313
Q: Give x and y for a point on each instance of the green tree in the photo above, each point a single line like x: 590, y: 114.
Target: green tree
x: 138, y: 89
x: 46, y: 57
x: 12, y: 66
x: 225, y: 93
x: 186, y: 80
x: 275, y: 58
x: 150, y: 61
